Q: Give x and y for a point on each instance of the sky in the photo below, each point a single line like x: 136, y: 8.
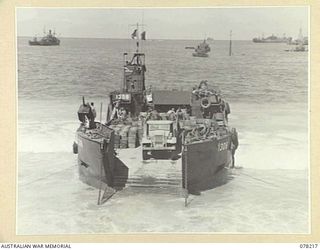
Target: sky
x: 164, y: 23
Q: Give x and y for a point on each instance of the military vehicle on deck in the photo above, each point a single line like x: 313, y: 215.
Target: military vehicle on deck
x: 159, y: 136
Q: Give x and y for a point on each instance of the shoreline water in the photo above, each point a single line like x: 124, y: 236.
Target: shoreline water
x: 52, y: 200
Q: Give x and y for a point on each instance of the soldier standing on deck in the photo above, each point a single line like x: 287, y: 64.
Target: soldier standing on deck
x: 171, y: 114
x: 93, y: 109
x: 179, y: 114
x: 90, y: 117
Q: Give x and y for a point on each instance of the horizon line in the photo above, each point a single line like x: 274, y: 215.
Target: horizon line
x: 118, y: 38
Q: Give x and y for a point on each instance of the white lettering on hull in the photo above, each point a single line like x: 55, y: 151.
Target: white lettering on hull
x: 222, y: 146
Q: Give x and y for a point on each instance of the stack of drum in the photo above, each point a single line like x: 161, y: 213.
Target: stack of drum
x: 127, y: 135
x: 124, y: 136
x: 140, y: 133
x: 132, y: 137
x: 163, y: 116
x: 116, y: 129
x: 219, y: 116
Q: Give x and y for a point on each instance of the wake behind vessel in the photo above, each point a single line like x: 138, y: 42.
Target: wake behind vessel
x: 49, y: 39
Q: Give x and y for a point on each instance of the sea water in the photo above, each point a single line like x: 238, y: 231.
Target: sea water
x: 267, y: 89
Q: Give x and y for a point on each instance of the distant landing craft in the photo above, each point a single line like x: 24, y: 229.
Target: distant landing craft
x: 201, y: 50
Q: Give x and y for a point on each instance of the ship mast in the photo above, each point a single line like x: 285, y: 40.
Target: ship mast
x: 230, y: 44
x: 136, y: 34
x: 135, y: 68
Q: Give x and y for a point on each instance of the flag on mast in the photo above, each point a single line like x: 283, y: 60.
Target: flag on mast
x: 143, y: 35
x: 134, y: 34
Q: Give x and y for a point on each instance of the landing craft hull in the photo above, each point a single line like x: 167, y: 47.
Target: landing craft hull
x: 202, y: 161
x: 34, y: 43
x: 96, y: 159
x: 200, y: 55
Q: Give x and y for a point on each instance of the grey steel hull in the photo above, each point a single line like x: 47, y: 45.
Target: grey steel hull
x: 200, y: 54
x: 202, y: 161
x: 39, y: 43
x: 95, y: 161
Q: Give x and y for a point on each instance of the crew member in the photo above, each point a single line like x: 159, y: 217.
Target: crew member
x: 86, y: 122
x: 122, y: 113
x: 171, y: 114
x: 227, y: 110
x: 234, y: 144
x: 115, y: 111
x: 155, y: 115
x: 203, y: 85
x: 90, y: 117
x: 202, y: 90
x: 185, y: 113
x: 93, y: 109
x: 195, y: 92
x: 148, y: 116
x: 179, y: 114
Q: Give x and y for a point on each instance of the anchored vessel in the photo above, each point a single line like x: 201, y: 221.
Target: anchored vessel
x: 49, y: 39
x: 210, y: 39
x: 272, y: 39
x: 191, y: 125
x: 299, y: 48
x: 301, y: 40
x: 202, y: 50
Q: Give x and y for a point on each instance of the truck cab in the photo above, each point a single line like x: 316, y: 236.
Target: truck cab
x: 159, y: 136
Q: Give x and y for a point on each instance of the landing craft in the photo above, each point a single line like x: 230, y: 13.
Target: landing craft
x: 201, y: 50
x: 198, y: 131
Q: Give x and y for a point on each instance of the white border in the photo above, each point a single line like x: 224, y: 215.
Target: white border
x: 309, y: 117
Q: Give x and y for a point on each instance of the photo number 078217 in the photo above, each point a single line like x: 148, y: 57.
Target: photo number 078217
x: 309, y: 245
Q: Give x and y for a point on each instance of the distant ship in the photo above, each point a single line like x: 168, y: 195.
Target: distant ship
x: 300, y: 48
x: 300, y: 40
x: 304, y: 41
x: 49, y: 39
x: 202, y: 50
x: 272, y: 39
x: 210, y: 39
